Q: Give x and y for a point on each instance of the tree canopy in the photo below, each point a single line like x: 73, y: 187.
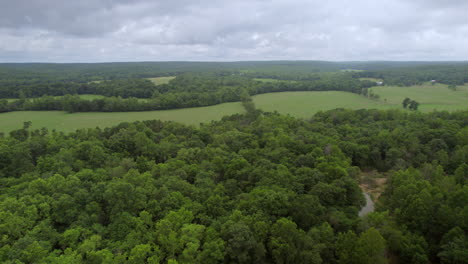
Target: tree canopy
x: 252, y: 188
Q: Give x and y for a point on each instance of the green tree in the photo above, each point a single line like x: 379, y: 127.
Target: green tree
x: 454, y: 247
x: 406, y: 102
x: 452, y: 87
x: 371, y: 247
x: 413, y: 105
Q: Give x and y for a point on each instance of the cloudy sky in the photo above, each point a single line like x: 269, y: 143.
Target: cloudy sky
x: 232, y: 30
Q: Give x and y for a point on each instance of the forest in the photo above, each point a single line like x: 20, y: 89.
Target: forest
x: 252, y: 188
x: 453, y: 74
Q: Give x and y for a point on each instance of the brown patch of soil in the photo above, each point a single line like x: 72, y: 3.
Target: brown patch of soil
x: 372, y: 183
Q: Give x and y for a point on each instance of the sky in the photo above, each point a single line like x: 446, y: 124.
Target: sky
x: 232, y: 30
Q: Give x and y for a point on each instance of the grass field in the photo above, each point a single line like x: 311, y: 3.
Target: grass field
x: 305, y: 104
x: 371, y: 79
x: 62, y: 121
x: 161, y: 80
x: 298, y: 104
x: 82, y: 96
x: 430, y: 97
x: 351, y: 70
x: 91, y: 96
x: 265, y: 80
x: 270, y: 80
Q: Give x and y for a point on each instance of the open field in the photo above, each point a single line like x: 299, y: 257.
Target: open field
x: 305, y: 104
x: 63, y: 121
x: 90, y: 96
x: 371, y: 79
x: 161, y: 80
x: 351, y: 70
x: 430, y: 97
x: 268, y: 80
x: 265, y: 80
x: 298, y: 104
x: 82, y: 96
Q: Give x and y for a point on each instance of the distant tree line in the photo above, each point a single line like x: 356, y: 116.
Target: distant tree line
x: 451, y: 74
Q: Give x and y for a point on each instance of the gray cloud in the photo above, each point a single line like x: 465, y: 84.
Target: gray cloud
x: 135, y: 30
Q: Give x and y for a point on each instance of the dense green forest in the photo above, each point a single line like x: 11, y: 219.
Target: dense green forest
x: 252, y: 188
x: 455, y: 74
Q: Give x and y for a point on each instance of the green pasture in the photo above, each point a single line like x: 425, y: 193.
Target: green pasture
x: 82, y: 96
x: 91, y: 96
x: 305, y: 104
x: 371, y: 79
x: 351, y: 70
x: 269, y: 80
x: 430, y: 97
x: 298, y: 104
x: 62, y: 121
x: 161, y: 80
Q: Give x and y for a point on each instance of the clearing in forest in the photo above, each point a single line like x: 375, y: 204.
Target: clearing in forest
x: 305, y: 104
x: 371, y: 79
x: 161, y: 80
x: 430, y: 97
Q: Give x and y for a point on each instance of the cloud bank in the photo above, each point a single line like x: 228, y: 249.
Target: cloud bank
x: 161, y: 30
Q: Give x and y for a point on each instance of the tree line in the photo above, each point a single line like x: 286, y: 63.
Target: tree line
x: 451, y: 74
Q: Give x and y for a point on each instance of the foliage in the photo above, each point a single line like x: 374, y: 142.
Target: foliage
x: 410, y: 104
x: 253, y: 188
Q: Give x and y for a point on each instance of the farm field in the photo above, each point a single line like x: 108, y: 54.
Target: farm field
x: 161, y: 80
x: 265, y: 80
x: 430, y: 97
x: 82, y: 96
x: 269, y: 80
x: 298, y: 104
x: 351, y: 70
x: 90, y: 96
x: 305, y: 104
x: 371, y: 79
x: 62, y: 121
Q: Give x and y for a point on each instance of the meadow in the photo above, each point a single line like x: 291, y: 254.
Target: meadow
x: 82, y: 96
x: 269, y: 80
x: 351, y: 70
x: 265, y: 80
x: 62, y: 121
x: 431, y: 97
x: 305, y: 104
x: 371, y: 79
x: 161, y: 80
x: 298, y: 104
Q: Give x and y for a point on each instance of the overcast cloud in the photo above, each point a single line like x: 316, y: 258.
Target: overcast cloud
x: 219, y: 30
